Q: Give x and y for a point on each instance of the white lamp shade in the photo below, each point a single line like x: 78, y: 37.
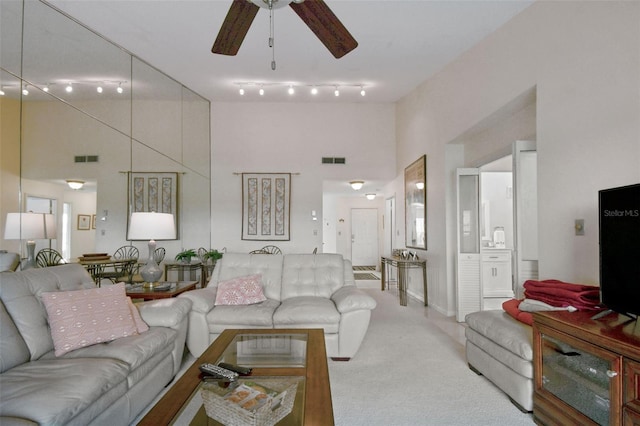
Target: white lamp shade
x: 151, y: 226
x: 29, y: 226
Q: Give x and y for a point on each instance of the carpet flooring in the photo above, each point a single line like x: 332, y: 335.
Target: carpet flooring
x: 408, y: 371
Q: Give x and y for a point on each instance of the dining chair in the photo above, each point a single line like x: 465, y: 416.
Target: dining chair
x: 271, y: 250
x: 123, y: 271
x: 48, y: 257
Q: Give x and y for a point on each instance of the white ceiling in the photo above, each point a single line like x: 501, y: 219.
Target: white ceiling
x: 401, y: 44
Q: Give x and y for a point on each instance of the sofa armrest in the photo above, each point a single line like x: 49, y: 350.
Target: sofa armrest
x: 351, y: 298
x: 202, y: 300
x: 164, y: 312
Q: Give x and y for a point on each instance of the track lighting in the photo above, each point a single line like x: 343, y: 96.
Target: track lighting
x: 313, y: 88
x: 25, y: 91
x: 1, y: 92
x: 46, y: 88
x: 120, y: 89
x: 99, y: 89
x: 69, y: 88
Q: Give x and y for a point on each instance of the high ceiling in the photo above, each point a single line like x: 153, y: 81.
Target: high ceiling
x: 401, y: 44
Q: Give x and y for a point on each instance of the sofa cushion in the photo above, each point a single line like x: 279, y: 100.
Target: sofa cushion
x: 499, y: 327
x: 85, y: 317
x: 13, y: 349
x: 311, y: 275
x: 234, y: 265
x: 54, y: 392
x: 141, y: 326
x: 259, y: 315
x: 20, y: 293
x: 307, y: 312
x: 240, y: 291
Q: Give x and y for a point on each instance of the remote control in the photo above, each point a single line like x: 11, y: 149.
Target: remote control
x: 243, y: 371
x: 223, y: 373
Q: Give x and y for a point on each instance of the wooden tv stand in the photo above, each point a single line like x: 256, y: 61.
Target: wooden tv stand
x: 586, y: 371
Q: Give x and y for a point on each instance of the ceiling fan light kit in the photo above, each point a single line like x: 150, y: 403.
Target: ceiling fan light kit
x: 314, y: 13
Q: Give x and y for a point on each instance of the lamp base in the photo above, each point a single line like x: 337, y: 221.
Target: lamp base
x: 30, y: 261
x: 151, y: 272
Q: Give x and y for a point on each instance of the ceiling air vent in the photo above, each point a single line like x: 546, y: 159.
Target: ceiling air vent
x: 333, y: 160
x: 80, y: 158
x: 92, y: 158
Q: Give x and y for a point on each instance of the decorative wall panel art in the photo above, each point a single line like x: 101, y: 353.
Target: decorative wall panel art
x: 153, y: 192
x: 266, y: 201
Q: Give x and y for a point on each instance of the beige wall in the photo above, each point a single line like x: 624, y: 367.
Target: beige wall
x: 9, y: 165
x: 262, y: 137
x: 583, y: 59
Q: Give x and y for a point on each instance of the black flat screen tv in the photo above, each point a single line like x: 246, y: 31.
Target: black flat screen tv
x: 619, y: 210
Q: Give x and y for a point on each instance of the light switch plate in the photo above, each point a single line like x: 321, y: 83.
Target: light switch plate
x: 579, y: 226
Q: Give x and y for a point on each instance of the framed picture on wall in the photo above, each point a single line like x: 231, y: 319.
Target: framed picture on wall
x: 154, y: 192
x: 265, y: 206
x: 84, y: 222
x: 415, y: 204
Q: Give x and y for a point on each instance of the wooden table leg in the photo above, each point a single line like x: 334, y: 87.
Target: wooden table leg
x: 383, y: 275
x: 402, y: 284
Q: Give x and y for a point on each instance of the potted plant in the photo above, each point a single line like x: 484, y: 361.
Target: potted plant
x: 212, y: 256
x: 186, y: 255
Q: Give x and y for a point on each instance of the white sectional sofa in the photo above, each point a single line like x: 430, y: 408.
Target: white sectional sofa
x: 105, y: 383
x: 301, y: 290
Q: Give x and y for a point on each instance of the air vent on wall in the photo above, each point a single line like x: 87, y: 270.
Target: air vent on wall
x: 333, y: 160
x: 86, y: 158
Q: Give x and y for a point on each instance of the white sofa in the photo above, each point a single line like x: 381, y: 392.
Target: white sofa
x: 500, y: 348
x: 302, y: 291
x: 104, y: 384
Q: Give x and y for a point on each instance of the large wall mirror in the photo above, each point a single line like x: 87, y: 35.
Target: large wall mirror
x: 74, y: 106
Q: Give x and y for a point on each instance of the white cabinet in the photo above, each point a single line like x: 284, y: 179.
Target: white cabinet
x: 496, y: 282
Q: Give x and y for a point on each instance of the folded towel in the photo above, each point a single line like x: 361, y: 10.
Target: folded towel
x: 560, y: 294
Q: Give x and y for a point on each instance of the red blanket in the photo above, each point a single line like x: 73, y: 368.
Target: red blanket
x: 561, y: 294
x: 511, y: 307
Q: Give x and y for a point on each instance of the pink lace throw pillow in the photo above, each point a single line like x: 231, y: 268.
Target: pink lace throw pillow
x: 240, y: 291
x: 85, y: 317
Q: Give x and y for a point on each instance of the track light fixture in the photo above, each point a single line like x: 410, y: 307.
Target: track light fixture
x: 245, y: 87
x: 25, y: 90
x: 120, y: 89
x: 69, y: 88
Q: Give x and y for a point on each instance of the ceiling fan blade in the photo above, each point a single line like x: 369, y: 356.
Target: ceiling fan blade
x: 235, y: 27
x: 326, y: 26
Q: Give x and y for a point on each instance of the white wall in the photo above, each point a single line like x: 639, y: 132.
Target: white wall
x: 283, y: 137
x: 583, y: 58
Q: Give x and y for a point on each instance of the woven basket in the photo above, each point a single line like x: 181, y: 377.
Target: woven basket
x: 232, y: 414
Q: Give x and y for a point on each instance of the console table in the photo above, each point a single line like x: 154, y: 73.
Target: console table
x: 403, y: 265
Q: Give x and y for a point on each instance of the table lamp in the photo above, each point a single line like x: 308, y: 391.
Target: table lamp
x: 30, y: 227
x: 151, y: 226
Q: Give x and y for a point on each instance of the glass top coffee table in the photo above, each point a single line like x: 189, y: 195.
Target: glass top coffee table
x: 286, y: 356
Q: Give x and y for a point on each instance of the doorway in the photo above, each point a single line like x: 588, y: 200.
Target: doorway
x: 364, y: 237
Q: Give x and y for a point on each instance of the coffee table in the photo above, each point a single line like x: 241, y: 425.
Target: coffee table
x: 139, y: 292
x: 280, y: 353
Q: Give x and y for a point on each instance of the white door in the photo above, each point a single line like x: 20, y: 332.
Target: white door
x: 526, y: 213
x: 389, y: 225
x: 364, y: 237
x: 468, y: 287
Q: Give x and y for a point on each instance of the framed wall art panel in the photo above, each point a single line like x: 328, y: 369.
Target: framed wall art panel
x: 154, y: 192
x: 266, y: 201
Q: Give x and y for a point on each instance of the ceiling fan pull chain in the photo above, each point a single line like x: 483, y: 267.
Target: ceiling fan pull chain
x: 271, y: 37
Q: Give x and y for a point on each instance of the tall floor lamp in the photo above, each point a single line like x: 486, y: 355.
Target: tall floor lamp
x: 30, y: 227
x: 151, y: 226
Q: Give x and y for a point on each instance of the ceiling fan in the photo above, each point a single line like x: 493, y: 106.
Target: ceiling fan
x: 315, y: 13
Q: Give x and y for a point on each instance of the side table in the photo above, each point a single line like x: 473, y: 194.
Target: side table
x: 191, y: 268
